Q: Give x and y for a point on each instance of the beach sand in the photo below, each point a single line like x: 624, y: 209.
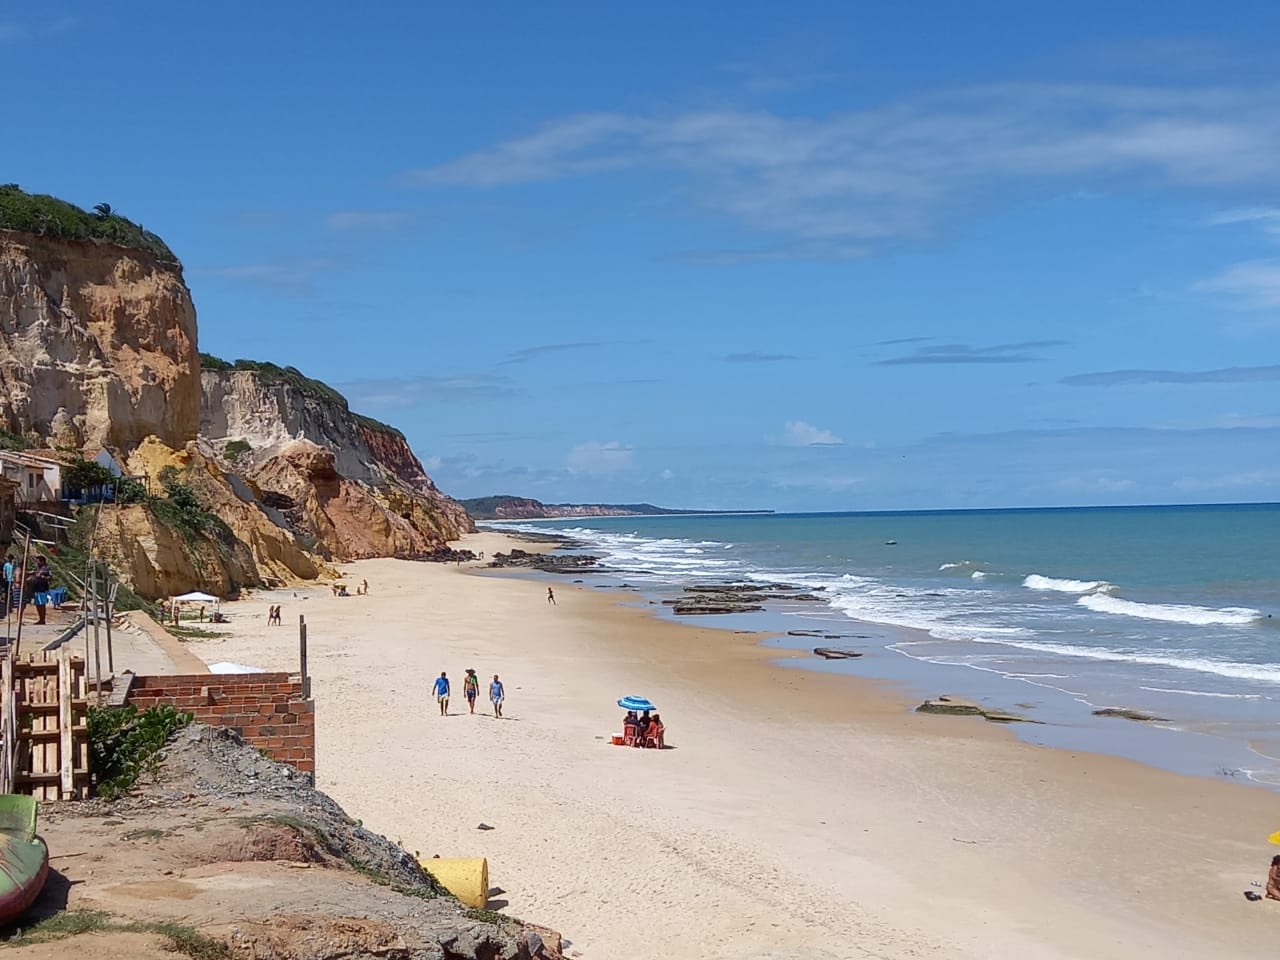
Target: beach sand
x: 799, y: 815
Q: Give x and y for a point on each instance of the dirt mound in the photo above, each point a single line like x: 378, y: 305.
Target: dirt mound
x: 243, y: 851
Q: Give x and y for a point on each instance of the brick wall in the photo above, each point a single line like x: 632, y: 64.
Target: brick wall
x: 267, y: 709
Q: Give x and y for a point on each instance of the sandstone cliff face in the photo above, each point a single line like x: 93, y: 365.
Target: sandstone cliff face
x: 97, y: 344
x: 350, y: 486
x: 160, y: 560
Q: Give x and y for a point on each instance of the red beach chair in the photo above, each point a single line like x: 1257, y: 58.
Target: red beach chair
x: 630, y: 734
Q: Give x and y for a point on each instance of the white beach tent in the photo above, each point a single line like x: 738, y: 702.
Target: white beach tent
x: 195, y: 596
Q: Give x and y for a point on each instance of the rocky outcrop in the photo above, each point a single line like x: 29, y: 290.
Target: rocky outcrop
x: 348, y: 485
x: 97, y: 344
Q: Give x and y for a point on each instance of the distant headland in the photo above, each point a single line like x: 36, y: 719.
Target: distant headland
x: 526, y: 508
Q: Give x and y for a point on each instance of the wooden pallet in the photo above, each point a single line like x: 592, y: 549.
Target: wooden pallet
x: 44, y: 703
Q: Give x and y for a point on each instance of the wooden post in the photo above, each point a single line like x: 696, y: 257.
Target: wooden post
x: 111, y: 610
x: 22, y: 597
x: 97, y: 642
x: 302, y: 655
x: 7, y: 716
x: 67, y: 768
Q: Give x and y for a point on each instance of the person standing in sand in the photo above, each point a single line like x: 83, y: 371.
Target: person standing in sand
x: 471, y: 689
x: 551, y: 597
x: 441, y: 690
x: 496, y: 695
x: 1273, y: 879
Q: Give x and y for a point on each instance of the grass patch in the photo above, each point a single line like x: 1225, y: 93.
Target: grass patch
x: 195, y: 633
x: 180, y: 937
x: 485, y: 916
x: 149, y: 834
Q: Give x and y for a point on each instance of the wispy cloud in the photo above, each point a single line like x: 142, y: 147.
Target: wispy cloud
x: 902, y: 340
x: 1267, y: 218
x: 541, y: 350
x: 412, y: 391
x: 367, y: 221
x: 12, y: 30
x: 964, y: 353
x: 1112, y: 378
x: 797, y: 433
x: 898, y: 169
x: 599, y: 458
x: 1254, y: 284
x: 754, y: 357
x: 824, y: 250
x: 288, y: 276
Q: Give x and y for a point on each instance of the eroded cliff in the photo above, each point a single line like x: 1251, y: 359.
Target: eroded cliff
x: 97, y: 344
x: 98, y: 349
x: 349, y: 486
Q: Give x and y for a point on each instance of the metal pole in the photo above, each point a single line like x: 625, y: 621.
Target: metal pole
x: 302, y: 655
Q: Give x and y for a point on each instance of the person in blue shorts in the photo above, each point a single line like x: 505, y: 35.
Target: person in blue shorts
x: 496, y: 695
x: 441, y: 690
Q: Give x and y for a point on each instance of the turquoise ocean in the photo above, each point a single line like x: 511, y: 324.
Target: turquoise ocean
x: 1174, y: 611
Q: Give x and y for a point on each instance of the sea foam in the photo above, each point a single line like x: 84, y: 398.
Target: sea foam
x: 1170, y: 612
x: 1265, y: 672
x: 1037, y: 582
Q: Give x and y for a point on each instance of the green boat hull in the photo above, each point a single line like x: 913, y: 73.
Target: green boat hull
x: 24, y: 859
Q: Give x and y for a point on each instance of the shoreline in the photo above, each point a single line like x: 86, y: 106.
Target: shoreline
x: 1184, y: 742
x: 800, y: 814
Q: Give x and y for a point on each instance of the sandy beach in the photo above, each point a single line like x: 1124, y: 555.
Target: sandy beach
x: 798, y: 815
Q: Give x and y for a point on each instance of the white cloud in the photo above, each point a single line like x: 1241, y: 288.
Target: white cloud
x: 667, y: 474
x: 1254, y: 284
x: 801, y: 434
x: 370, y: 221
x: 897, y: 169
x: 1268, y: 218
x: 596, y: 457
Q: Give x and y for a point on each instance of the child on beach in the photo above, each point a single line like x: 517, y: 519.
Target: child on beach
x: 471, y: 689
x: 551, y: 597
x: 496, y: 695
x: 441, y: 690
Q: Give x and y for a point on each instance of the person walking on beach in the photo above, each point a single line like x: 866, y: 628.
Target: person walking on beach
x: 496, y: 695
x: 551, y: 597
x: 442, y: 693
x: 471, y: 689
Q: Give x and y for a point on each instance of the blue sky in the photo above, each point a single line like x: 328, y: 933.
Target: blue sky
x: 820, y: 256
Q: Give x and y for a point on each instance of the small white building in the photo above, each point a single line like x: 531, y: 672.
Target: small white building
x: 39, y: 478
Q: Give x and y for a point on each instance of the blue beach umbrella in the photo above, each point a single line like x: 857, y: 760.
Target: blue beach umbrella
x: 638, y: 704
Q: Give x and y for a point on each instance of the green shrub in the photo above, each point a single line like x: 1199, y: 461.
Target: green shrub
x: 50, y: 217
x: 12, y: 441
x: 236, y: 449
x: 87, y: 474
x: 125, y: 744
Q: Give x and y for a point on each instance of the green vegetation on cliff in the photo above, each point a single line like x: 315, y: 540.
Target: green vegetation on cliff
x: 48, y: 216
x: 309, y: 387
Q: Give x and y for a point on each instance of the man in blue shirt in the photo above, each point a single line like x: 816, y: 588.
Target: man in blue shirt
x: 442, y: 693
x: 496, y: 696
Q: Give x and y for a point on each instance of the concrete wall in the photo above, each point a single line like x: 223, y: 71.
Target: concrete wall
x: 266, y: 709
